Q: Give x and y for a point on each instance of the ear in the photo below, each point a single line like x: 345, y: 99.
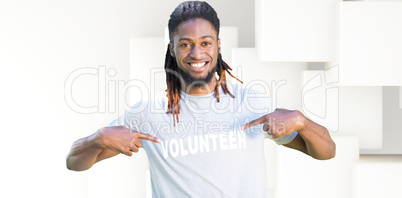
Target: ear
x: 171, y: 49
x: 219, y: 45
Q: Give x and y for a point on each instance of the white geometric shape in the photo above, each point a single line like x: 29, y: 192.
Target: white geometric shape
x: 360, y: 115
x: 271, y: 157
x: 379, y: 177
x: 167, y: 39
x: 148, y: 184
x: 114, y: 177
x: 228, y: 37
x: 299, y: 175
x: 315, y: 101
x: 147, y: 59
x: 371, y: 44
x: 391, y: 116
x: 400, y: 97
x: 320, y: 98
x: 280, y: 80
x: 355, y: 111
x: 304, y: 31
x: 331, y: 75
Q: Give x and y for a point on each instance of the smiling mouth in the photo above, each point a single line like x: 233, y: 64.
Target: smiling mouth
x: 200, y: 64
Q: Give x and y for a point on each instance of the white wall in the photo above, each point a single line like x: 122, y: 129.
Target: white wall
x: 392, y: 133
x: 379, y: 176
x: 41, y: 44
x: 400, y: 97
x: 292, y: 30
x: 151, y: 16
x: 371, y: 43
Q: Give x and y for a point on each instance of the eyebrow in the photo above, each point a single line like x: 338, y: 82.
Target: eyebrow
x: 203, y: 37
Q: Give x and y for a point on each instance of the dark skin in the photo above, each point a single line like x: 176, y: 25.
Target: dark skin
x: 105, y: 143
x: 313, y: 139
x: 196, y: 42
x: 195, y: 47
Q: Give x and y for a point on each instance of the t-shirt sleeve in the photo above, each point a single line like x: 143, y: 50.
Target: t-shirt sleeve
x: 122, y: 120
x: 283, y: 140
x: 131, y: 118
x: 139, y: 116
x: 117, y: 122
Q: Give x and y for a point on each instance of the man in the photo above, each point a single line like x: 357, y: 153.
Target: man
x: 203, y: 143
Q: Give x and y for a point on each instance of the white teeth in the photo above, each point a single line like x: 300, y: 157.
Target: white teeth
x: 197, y: 64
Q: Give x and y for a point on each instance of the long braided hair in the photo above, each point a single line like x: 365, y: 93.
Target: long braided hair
x: 186, y: 11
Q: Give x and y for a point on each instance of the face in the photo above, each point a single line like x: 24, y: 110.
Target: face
x: 196, y: 47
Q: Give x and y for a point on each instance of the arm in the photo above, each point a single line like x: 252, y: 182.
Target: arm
x: 313, y: 139
x: 86, y: 152
x: 105, y: 143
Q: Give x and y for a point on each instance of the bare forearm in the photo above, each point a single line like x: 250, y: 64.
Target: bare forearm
x: 105, y: 143
x: 318, y: 141
x: 84, y: 153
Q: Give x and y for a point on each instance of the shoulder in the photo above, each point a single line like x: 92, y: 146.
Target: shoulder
x: 244, y: 91
x: 145, y: 106
x: 257, y: 99
x: 157, y: 102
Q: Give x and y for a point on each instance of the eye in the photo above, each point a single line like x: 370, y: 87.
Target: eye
x: 184, y: 45
x: 205, y: 43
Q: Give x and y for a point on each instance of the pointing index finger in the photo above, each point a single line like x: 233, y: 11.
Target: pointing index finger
x: 254, y: 122
x: 148, y: 137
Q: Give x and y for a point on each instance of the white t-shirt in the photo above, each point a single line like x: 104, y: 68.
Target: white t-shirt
x: 206, y: 154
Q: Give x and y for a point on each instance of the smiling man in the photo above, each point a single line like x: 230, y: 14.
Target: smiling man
x: 197, y: 64
x: 216, y: 148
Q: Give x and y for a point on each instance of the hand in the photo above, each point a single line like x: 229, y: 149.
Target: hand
x: 123, y: 140
x: 279, y: 123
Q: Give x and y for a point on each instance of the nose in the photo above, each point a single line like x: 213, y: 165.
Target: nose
x: 196, y: 52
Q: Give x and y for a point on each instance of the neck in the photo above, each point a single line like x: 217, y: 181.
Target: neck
x: 202, y: 90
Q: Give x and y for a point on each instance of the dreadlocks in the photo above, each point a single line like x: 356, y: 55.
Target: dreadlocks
x: 184, y: 12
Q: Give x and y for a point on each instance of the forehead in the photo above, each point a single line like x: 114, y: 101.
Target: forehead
x: 194, y: 29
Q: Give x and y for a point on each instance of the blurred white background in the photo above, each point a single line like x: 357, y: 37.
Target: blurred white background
x: 66, y: 68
